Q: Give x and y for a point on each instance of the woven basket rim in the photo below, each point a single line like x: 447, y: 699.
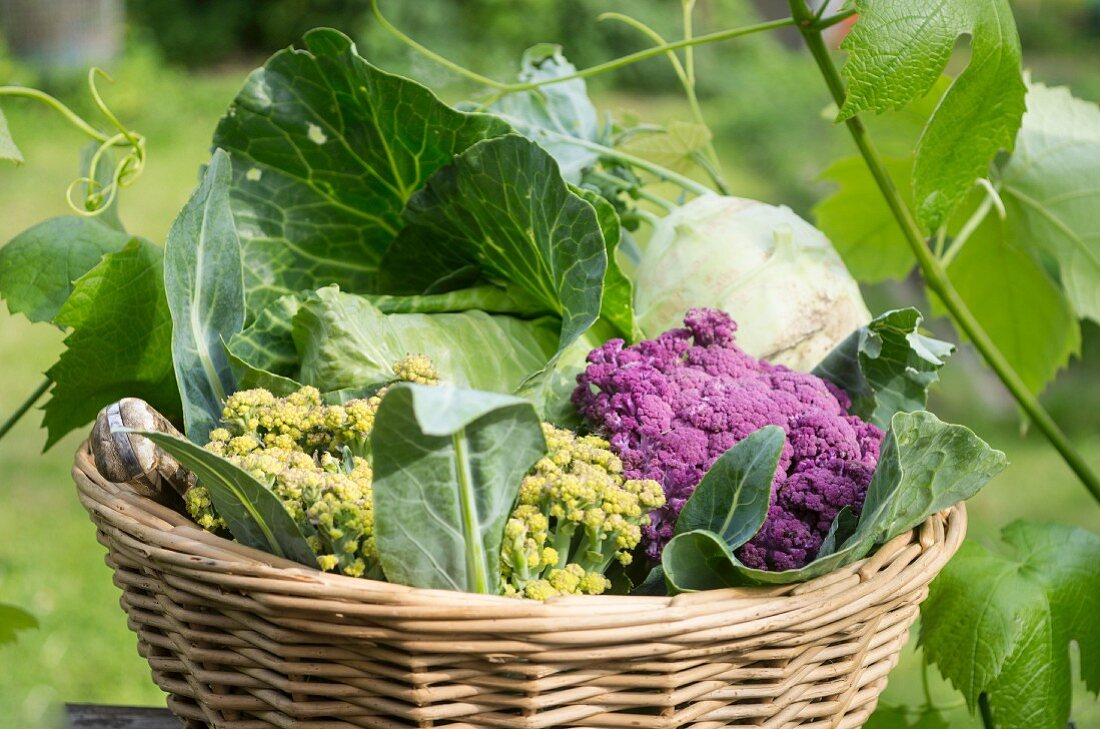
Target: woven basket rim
x: 170, y: 538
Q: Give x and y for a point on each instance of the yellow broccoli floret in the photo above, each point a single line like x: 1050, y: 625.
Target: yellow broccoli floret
x: 576, y: 514
x: 312, y: 456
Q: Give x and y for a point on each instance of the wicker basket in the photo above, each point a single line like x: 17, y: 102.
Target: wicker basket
x: 243, y: 640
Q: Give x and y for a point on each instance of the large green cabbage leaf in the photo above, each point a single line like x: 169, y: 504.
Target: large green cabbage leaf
x: 323, y: 166
x: 205, y: 289
x: 504, y: 208
x: 447, y: 467
x: 344, y: 341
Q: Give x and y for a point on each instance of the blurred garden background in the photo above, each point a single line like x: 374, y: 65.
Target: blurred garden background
x: 176, y: 66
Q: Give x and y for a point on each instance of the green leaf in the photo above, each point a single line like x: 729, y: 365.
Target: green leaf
x: 1049, y: 187
x: 1000, y: 623
x: 447, y: 467
x: 8, y: 150
x: 205, y: 289
x: 887, y: 366
x: 551, y: 388
x: 1016, y: 302
x: 553, y: 115
x: 841, y: 530
x: 723, y: 569
x: 896, y: 53
x: 250, y: 377
x: 856, y: 217
x: 899, y: 717
x: 120, y: 344
x: 346, y: 342
x: 323, y: 165
x: 256, y: 517
x: 1031, y: 321
x: 38, y: 266
x: 504, y: 207
x: 733, y: 497
x: 676, y: 147
x: 698, y: 560
x: 617, y: 306
x: 268, y: 342
x: 859, y: 223
x: 488, y: 298
x: 12, y: 619
x: 263, y: 353
x: 925, y: 466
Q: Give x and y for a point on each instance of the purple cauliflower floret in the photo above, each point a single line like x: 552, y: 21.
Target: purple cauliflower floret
x: 671, y: 406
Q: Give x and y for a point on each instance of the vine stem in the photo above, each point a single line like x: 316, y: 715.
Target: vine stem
x: 663, y: 173
x: 935, y: 276
x: 70, y: 115
x: 713, y: 166
x: 626, y: 60
x: 985, y: 711
x: 25, y: 407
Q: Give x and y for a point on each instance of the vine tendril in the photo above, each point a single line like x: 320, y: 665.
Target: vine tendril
x: 97, y: 198
x: 711, y: 165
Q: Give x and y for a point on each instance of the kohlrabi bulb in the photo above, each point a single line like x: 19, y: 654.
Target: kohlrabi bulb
x: 778, y: 276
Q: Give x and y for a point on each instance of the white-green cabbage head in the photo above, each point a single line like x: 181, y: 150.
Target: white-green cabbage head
x: 778, y: 276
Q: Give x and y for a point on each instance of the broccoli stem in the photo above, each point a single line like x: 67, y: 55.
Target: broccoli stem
x: 563, y: 543
x: 594, y: 554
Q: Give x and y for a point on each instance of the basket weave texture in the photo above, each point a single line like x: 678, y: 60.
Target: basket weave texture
x: 240, y: 639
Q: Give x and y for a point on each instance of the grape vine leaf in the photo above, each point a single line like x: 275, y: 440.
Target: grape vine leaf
x: 998, y: 272
x: 896, y: 53
x: 204, y: 283
x: 255, y: 515
x: 675, y: 147
x: 38, y: 266
x: 1049, y: 187
x: 504, y: 207
x: 1017, y: 303
x: 120, y: 343
x: 886, y: 366
x: 859, y: 223
x: 855, y: 217
x: 8, y: 150
x: 13, y: 620
x: 447, y: 467
x: 323, y: 165
x: 1000, y: 623
x: 556, y: 114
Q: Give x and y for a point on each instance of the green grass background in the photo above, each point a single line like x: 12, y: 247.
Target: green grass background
x: 50, y: 563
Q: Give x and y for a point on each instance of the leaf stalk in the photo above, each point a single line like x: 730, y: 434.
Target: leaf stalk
x: 935, y: 275
x: 23, y: 408
x: 985, y: 711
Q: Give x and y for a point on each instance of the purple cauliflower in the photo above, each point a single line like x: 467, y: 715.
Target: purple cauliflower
x: 671, y: 406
